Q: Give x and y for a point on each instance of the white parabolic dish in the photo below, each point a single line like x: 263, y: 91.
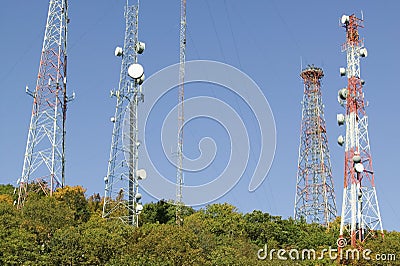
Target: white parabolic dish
x: 135, y: 71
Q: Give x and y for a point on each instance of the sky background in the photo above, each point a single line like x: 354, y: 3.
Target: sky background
x: 267, y: 40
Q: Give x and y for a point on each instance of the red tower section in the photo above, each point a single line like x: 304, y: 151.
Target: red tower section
x: 360, y: 216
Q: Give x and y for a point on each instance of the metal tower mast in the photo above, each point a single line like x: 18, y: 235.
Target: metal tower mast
x: 315, y: 197
x: 44, y: 159
x: 181, y: 117
x: 360, y: 209
x: 122, y: 197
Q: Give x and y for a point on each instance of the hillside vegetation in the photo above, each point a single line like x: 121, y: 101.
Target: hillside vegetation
x: 67, y: 229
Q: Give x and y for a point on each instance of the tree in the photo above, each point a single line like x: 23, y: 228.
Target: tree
x: 43, y: 216
x: 7, y: 190
x: 166, y: 244
x: 92, y: 243
x: 67, y: 229
x: 74, y: 198
x: 95, y: 203
x: 7, y: 193
x: 162, y: 212
x: 17, y: 245
x: 224, y: 219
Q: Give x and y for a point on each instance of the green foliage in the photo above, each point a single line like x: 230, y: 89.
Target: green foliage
x: 67, y: 229
x: 95, y: 203
x: 92, y: 243
x: 6, y: 190
x: 224, y: 219
x: 7, y: 193
x: 74, y: 198
x: 162, y: 212
x: 44, y: 216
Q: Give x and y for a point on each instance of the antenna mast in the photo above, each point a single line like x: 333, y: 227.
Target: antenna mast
x: 360, y: 210
x: 315, y: 197
x: 122, y: 197
x: 181, y: 117
x: 44, y: 159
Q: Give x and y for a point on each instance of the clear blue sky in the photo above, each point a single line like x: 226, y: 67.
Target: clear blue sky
x: 264, y: 39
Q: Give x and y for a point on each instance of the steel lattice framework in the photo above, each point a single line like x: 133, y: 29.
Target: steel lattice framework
x: 181, y: 117
x: 122, y: 197
x: 360, y: 210
x: 44, y: 159
x: 315, y: 198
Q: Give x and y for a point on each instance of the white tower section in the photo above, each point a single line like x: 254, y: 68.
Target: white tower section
x: 122, y: 197
x: 181, y: 116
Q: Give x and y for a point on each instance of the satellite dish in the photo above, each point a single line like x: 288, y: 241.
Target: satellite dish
x: 138, y: 196
x: 135, y: 71
x: 106, y: 179
x: 363, y: 52
x: 359, y: 167
x: 356, y: 158
x: 340, y: 140
x: 342, y: 71
x: 343, y: 93
x: 118, y: 51
x: 340, y: 119
x: 112, y: 119
x: 139, y: 207
x: 345, y: 19
x: 141, y: 80
x: 141, y: 174
x: 139, y: 47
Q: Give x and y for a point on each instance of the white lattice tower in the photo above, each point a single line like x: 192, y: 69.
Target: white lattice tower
x: 122, y: 197
x: 181, y: 117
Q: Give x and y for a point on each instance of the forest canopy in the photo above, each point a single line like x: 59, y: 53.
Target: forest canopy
x: 67, y: 229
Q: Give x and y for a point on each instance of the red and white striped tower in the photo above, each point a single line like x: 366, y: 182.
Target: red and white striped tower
x: 315, y: 196
x: 44, y: 159
x: 360, y: 216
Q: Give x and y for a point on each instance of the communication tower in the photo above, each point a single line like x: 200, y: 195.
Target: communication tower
x: 360, y: 210
x: 181, y: 117
x: 44, y: 158
x: 122, y: 197
x: 315, y: 198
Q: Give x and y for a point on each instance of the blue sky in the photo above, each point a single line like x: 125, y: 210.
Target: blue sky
x: 264, y: 39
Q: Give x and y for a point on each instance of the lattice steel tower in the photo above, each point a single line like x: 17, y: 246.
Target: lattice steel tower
x: 315, y: 197
x: 360, y: 210
x: 181, y: 116
x: 122, y: 197
x: 44, y: 159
